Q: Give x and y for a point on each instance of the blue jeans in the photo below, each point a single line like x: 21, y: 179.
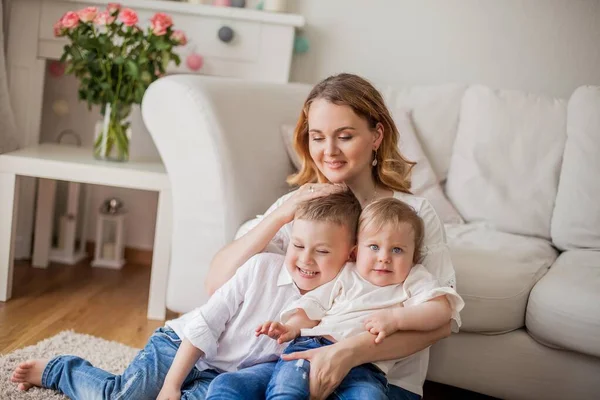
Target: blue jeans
x: 143, y: 378
x: 290, y: 378
x: 248, y: 383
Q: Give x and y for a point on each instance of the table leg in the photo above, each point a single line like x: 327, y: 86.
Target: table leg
x: 44, y: 219
x: 161, y: 257
x: 9, y: 187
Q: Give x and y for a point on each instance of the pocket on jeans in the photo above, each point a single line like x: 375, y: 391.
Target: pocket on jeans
x: 170, y: 333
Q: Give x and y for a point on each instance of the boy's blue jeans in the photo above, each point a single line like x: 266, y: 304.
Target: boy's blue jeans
x: 291, y: 378
x: 143, y: 378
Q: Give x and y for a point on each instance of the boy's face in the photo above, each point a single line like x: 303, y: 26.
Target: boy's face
x: 317, y: 252
x: 385, y: 257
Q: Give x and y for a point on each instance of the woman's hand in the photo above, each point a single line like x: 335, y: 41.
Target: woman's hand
x: 306, y: 192
x: 328, y: 367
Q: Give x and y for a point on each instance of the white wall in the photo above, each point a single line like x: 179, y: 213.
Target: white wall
x: 542, y: 46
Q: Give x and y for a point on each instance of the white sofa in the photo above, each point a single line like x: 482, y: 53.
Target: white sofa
x: 521, y: 169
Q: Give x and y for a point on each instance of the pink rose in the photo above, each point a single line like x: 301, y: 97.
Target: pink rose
x: 179, y: 37
x: 113, y: 8
x: 87, y: 14
x: 69, y: 20
x: 159, y: 23
x: 58, y: 29
x: 104, y: 18
x: 128, y: 17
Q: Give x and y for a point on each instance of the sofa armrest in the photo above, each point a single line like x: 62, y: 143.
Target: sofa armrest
x: 219, y: 140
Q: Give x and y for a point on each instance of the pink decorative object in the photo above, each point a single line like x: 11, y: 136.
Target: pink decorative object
x: 194, y: 61
x: 56, y: 69
x: 222, y: 3
x: 128, y: 17
x: 87, y: 14
x: 159, y: 23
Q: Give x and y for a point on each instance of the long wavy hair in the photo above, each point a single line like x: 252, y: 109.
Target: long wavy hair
x: 392, y: 170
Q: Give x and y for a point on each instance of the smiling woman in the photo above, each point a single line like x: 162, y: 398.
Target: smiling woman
x: 346, y: 136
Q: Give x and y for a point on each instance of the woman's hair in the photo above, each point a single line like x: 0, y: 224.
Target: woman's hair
x: 341, y: 208
x: 393, y: 212
x: 392, y: 170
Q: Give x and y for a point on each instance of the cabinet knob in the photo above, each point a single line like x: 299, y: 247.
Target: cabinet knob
x: 226, y: 34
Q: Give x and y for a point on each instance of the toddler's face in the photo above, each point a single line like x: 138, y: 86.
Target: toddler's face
x: 317, y: 252
x: 385, y: 257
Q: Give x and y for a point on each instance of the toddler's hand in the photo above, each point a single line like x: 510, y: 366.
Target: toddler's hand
x: 169, y: 393
x: 275, y: 330
x: 381, y: 323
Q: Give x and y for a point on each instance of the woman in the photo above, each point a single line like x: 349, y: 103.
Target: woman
x: 346, y: 135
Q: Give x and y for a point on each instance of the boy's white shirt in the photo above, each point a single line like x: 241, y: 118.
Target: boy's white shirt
x: 343, y: 305
x: 223, y: 328
x: 410, y: 372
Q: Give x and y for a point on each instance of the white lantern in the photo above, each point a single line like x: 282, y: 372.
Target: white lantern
x: 110, y: 229
x: 70, y: 248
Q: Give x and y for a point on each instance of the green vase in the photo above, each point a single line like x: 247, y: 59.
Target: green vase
x: 113, y: 133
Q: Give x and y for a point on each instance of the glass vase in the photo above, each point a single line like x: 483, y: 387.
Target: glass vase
x: 113, y: 133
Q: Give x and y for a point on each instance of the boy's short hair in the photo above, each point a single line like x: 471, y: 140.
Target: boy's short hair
x: 391, y: 211
x: 341, y: 208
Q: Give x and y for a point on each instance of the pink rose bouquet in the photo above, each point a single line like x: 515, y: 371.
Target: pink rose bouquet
x: 115, y: 61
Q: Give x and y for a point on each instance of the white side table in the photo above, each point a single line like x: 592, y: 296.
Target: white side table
x: 53, y: 162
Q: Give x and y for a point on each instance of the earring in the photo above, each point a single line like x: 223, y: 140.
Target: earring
x: 374, y: 163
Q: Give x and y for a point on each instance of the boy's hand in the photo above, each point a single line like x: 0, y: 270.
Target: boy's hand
x: 169, y: 392
x: 382, y: 323
x: 275, y: 330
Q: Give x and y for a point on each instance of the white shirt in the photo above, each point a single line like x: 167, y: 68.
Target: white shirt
x: 408, y: 373
x: 223, y: 328
x: 343, y: 306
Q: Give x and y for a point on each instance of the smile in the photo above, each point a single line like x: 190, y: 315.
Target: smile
x: 306, y: 273
x: 335, y: 164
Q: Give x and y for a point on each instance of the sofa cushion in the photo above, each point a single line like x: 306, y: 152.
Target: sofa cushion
x: 494, y: 273
x: 434, y: 112
x: 576, y: 218
x: 506, y: 159
x: 564, y: 306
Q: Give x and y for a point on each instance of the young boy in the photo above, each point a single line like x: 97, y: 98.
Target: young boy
x: 386, y: 291
x: 182, y: 358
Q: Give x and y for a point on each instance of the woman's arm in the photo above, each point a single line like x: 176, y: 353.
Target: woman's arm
x: 425, y: 316
x: 233, y: 255
x: 236, y: 253
x: 330, y: 364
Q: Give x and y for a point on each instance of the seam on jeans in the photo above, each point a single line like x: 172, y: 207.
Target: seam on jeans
x: 47, y: 370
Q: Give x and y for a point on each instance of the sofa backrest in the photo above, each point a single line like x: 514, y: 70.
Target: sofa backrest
x: 576, y: 218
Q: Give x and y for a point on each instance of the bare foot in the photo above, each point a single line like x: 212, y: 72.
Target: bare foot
x: 29, y: 373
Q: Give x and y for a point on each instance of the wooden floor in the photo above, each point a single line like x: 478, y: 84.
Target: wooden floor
x: 104, y: 303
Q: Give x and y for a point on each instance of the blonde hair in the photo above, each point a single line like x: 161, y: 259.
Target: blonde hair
x: 392, y: 170
x: 341, y: 208
x: 393, y: 212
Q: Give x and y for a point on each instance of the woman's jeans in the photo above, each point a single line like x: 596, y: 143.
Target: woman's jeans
x: 143, y: 378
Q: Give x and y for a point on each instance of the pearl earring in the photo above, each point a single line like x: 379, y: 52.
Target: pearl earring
x: 374, y: 163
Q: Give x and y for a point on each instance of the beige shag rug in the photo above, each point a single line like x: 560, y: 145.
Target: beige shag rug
x: 111, y: 356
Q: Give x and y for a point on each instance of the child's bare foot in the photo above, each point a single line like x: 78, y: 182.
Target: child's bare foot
x: 29, y: 373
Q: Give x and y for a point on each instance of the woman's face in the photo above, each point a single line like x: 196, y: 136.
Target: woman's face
x: 340, y: 142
